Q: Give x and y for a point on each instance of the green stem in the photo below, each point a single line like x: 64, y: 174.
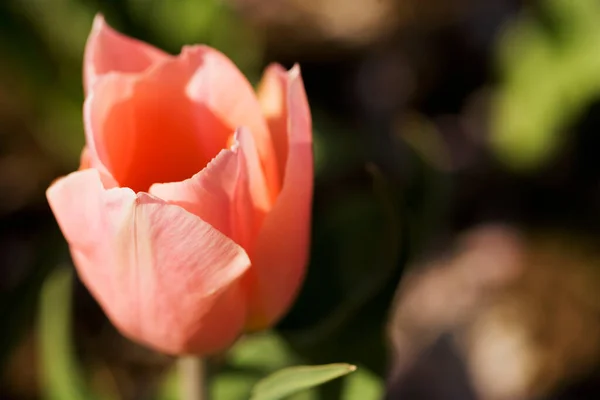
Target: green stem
x: 193, y: 378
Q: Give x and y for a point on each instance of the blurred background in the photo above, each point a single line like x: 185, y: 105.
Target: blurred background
x: 455, y: 244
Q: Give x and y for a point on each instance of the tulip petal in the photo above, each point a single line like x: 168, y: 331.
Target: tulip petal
x: 257, y: 182
x: 89, y: 160
x: 272, y: 93
x: 281, y: 252
x: 107, y: 51
x: 145, y: 128
x: 225, y: 90
x: 85, y: 160
x: 162, y: 275
x: 230, y: 193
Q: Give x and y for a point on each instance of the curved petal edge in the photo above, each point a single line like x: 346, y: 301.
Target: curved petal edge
x: 108, y: 51
x: 282, y: 248
x: 162, y: 275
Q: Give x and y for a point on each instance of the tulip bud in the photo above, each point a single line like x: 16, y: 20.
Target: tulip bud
x: 189, y: 217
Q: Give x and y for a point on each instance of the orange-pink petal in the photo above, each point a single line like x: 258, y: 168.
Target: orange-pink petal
x: 146, y: 129
x: 85, y: 160
x: 221, y: 86
x: 108, y: 51
x: 257, y: 182
x: 230, y: 193
x: 272, y: 93
x: 163, y: 276
x: 281, y: 252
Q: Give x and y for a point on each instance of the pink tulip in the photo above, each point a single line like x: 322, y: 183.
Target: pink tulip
x: 189, y: 218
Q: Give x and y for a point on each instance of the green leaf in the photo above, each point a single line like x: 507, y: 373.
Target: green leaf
x: 548, y: 81
x: 363, y: 385
x: 264, y: 351
x: 289, y: 381
x: 60, y: 371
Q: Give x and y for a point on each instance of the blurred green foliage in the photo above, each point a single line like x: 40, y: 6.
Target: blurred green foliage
x: 60, y: 371
x: 550, y: 69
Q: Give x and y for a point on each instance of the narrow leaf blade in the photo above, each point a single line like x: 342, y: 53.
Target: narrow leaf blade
x: 289, y: 381
x: 60, y: 369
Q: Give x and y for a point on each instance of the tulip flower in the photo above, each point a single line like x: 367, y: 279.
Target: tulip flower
x: 189, y: 217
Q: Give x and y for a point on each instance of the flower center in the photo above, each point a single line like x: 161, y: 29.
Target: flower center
x: 159, y: 135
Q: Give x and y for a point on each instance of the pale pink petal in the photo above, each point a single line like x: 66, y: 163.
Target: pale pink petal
x: 162, y: 275
x: 281, y: 252
x: 108, y: 51
x: 146, y: 129
x: 225, y: 90
x: 230, y: 193
x: 272, y: 93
